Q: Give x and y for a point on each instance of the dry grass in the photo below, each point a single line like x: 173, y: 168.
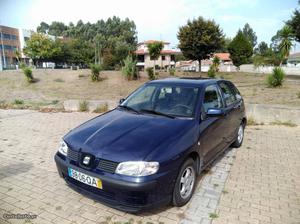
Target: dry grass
x: 64, y: 84
x: 284, y: 123
x: 101, y: 109
x: 252, y: 122
x: 83, y: 106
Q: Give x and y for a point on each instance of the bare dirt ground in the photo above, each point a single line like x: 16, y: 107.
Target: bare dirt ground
x: 55, y: 86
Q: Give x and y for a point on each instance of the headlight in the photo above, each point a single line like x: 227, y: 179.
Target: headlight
x: 137, y: 168
x: 63, y: 148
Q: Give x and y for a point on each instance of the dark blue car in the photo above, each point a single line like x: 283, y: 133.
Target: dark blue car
x: 149, y: 150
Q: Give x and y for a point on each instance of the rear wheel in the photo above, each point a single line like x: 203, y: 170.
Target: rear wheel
x: 240, y: 136
x: 185, y: 183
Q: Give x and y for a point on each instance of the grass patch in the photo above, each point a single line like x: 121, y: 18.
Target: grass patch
x: 225, y: 192
x: 213, y: 215
x: 216, y: 185
x: 252, y: 122
x: 54, y: 102
x: 18, y: 102
x: 59, y: 80
x: 298, y: 94
x: 284, y: 123
x: 83, y: 106
x: 101, y: 108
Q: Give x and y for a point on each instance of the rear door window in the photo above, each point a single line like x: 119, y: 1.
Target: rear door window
x: 229, y: 94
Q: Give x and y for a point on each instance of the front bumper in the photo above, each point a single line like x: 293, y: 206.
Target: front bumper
x: 123, y: 195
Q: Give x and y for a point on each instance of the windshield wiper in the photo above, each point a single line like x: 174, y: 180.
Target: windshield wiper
x: 157, y: 113
x: 129, y: 108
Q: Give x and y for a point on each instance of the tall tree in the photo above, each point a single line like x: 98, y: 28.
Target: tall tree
x: 57, y: 28
x: 250, y: 34
x: 199, y: 38
x: 43, y: 28
x: 240, y: 49
x: 287, y: 38
x: 262, y: 49
x: 154, y: 51
x: 40, y: 48
x: 224, y: 48
x: 294, y: 23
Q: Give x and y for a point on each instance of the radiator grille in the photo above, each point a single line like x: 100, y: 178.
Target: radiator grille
x: 73, y: 155
x: 107, y: 166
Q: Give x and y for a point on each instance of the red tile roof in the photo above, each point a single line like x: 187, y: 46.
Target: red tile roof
x: 153, y: 41
x: 142, y: 51
x: 223, y: 56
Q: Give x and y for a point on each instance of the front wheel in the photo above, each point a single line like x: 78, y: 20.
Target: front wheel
x: 185, y: 183
x: 240, y: 137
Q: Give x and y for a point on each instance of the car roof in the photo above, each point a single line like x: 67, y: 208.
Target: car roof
x: 188, y: 81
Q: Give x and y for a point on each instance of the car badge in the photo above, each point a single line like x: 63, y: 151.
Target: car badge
x: 86, y: 160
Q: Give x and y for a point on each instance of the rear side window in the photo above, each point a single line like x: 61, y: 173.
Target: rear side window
x: 212, y: 98
x: 236, y: 92
x: 229, y: 93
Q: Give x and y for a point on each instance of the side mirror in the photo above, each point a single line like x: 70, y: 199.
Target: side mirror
x: 121, y: 101
x: 215, y: 112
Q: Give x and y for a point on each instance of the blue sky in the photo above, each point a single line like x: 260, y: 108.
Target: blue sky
x: 155, y: 19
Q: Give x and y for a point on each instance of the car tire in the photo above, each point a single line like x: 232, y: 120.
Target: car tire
x: 240, y: 136
x: 185, y: 183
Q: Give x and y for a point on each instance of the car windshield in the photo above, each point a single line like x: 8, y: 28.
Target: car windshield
x: 176, y: 101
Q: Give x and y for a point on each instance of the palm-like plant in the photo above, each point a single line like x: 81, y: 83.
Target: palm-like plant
x: 287, y: 38
x: 216, y: 63
x: 154, y: 50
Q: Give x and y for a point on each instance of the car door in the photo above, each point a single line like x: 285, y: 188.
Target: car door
x: 211, y: 128
x: 232, y: 110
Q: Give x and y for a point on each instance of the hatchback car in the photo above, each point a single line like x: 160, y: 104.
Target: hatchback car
x: 149, y: 150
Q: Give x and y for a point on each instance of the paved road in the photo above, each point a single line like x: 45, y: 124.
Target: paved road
x: 245, y: 185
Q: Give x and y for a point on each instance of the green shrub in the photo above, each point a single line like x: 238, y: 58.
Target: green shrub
x: 172, y: 71
x: 276, y: 78
x: 101, y: 108
x: 54, y: 101
x: 151, y: 74
x: 216, y: 63
x: 18, y: 102
x: 129, y: 69
x: 211, y: 72
x: 83, y: 106
x: 95, y: 70
x: 28, y: 74
x: 298, y: 94
x: 22, y: 65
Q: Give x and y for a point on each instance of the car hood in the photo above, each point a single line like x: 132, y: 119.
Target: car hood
x: 123, y: 136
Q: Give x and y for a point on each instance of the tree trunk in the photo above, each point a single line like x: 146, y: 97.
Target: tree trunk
x: 95, y: 53
x: 199, y: 61
x: 154, y: 68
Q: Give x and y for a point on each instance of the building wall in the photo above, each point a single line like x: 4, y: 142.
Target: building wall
x: 24, y: 35
x: 159, y: 62
x: 9, y: 41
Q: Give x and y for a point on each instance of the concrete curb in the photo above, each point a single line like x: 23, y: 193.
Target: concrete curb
x: 270, y: 113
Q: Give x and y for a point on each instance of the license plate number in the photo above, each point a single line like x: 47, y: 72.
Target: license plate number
x: 84, y: 178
